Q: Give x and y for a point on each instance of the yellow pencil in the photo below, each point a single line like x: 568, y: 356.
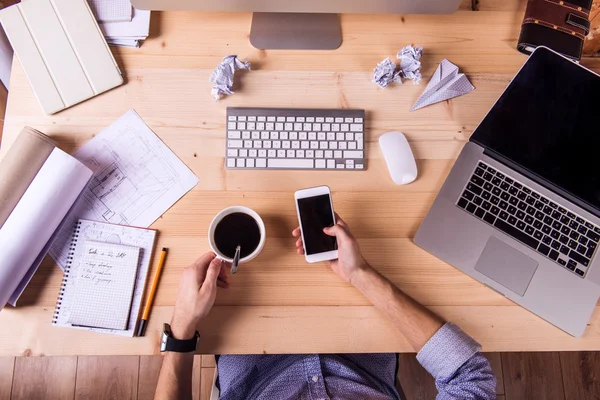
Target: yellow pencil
x: 144, y: 321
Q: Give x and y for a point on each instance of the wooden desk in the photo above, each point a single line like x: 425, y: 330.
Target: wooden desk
x: 278, y: 303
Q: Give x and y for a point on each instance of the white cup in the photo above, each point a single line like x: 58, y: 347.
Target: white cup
x: 231, y: 210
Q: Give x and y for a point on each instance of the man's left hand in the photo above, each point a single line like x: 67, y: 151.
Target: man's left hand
x: 197, y: 293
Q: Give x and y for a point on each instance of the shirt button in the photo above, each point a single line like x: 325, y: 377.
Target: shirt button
x: 315, y: 378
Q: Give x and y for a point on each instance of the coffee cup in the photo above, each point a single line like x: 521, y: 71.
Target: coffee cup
x: 237, y: 226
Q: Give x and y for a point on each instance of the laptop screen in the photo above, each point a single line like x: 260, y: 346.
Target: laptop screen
x: 548, y: 122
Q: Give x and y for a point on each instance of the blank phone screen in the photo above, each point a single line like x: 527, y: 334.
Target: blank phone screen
x: 316, y: 214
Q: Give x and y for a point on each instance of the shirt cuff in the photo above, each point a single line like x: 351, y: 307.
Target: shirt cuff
x: 447, y: 351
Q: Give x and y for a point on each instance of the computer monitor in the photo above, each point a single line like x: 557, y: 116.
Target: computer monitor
x: 301, y: 24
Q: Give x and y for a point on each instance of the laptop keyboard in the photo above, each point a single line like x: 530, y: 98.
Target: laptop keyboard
x: 529, y: 217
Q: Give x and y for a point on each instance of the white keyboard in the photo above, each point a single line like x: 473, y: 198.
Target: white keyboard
x: 280, y: 138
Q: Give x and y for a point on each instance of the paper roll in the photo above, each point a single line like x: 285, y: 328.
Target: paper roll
x: 25, y: 237
x: 20, y: 165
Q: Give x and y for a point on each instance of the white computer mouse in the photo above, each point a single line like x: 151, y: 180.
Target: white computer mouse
x: 398, y: 157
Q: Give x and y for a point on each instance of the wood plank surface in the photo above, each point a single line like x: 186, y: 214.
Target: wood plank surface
x: 278, y: 295
x: 44, y: 378
x: 113, y: 377
x: 208, y: 375
x: 415, y: 381
x: 532, y: 376
x: 581, y: 375
x: 7, y: 366
x: 197, y: 378
x: 148, y: 376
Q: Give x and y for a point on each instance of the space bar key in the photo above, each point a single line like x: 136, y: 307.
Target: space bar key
x: 290, y: 163
x: 516, y: 234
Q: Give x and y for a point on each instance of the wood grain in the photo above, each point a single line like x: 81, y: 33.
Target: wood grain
x: 532, y: 376
x: 278, y: 295
x: 148, y: 376
x: 415, y: 381
x: 7, y: 365
x: 495, y: 360
x: 208, y: 375
x: 581, y: 375
x: 44, y: 378
x: 197, y: 377
x: 114, y: 377
x: 208, y: 361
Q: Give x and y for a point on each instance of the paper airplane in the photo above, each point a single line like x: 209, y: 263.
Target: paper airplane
x: 446, y: 83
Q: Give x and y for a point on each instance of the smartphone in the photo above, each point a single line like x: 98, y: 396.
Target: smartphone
x: 315, y: 212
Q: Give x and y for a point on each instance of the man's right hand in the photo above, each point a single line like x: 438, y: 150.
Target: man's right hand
x: 350, y: 260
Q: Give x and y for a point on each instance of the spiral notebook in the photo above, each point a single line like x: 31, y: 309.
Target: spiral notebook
x: 104, y: 279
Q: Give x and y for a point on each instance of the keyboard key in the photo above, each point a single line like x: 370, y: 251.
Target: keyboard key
x: 495, y: 210
x: 235, y: 144
x: 555, y: 245
x: 535, y: 195
x: 232, y: 152
x: 321, y: 164
x: 565, y: 220
x: 487, y: 176
x: 243, y: 153
x: 593, y: 236
x: 514, y: 201
x: 480, y: 212
x: 582, y: 229
x: 555, y: 234
x: 579, y: 258
x: 553, y: 255
x: 530, y: 210
x: 338, y: 154
x: 556, y: 225
x: 547, y: 240
x: 290, y: 153
x: 520, y: 214
x: 571, y: 265
x: 544, y: 200
x: 581, y: 249
x: 521, y: 225
x: 486, y: 195
x: 496, y: 191
x: 250, y: 163
x: 583, y: 240
x: 526, y: 190
x: 489, y: 218
x: 538, y: 235
x: 563, y: 239
x: 513, y: 190
x: 330, y: 164
x: 512, y: 210
x: 504, y: 196
x: 478, y: 171
x: 319, y: 154
x: 529, y: 230
x: 505, y: 186
x: 241, y: 163
x: 496, y: 181
x: 562, y: 262
x: 556, y: 215
x: 503, y: 205
x: 515, y: 233
x: 590, y: 252
x: 562, y: 210
x: 545, y: 250
x: 353, y: 154
x: 574, y: 235
x: 548, y: 210
x: 478, y: 200
x: 565, y: 230
x: 521, y: 195
x: 546, y: 229
x: 486, y: 206
x: 539, y: 215
x: 522, y: 206
x: 230, y: 163
x: 349, y: 136
x: 329, y: 154
x: 512, y: 220
x: 530, y: 200
x: 529, y: 219
x: 504, y: 215
x: 570, y: 215
x: 356, y: 127
x: 539, y: 205
x: 572, y: 244
x: 342, y: 145
x: 482, y: 165
x: 564, y: 249
x: 495, y: 201
x: 290, y: 163
x: 579, y: 272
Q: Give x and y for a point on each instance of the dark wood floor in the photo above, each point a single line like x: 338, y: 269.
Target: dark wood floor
x: 539, y: 376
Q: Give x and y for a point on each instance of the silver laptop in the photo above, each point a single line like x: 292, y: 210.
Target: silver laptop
x: 520, y: 209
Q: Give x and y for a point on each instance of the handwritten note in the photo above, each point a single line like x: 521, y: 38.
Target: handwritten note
x: 104, y: 285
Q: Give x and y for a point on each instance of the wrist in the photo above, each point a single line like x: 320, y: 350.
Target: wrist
x: 181, y: 330
x: 358, y: 274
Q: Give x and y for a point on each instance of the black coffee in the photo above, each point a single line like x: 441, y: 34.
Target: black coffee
x: 237, y: 229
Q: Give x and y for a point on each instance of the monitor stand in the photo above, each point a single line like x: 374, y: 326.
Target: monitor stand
x: 296, y: 31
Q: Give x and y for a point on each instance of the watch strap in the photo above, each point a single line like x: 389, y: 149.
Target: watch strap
x: 169, y: 343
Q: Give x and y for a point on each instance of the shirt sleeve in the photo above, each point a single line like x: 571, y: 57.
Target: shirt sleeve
x: 460, y: 371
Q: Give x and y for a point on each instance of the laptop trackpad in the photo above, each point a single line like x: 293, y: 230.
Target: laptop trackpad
x: 506, y: 265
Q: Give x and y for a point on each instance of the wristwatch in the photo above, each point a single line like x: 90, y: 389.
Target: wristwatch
x: 169, y: 343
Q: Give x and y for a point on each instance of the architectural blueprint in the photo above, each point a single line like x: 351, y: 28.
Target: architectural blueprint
x: 136, y: 179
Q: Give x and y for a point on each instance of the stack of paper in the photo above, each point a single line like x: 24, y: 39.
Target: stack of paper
x: 121, y: 24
